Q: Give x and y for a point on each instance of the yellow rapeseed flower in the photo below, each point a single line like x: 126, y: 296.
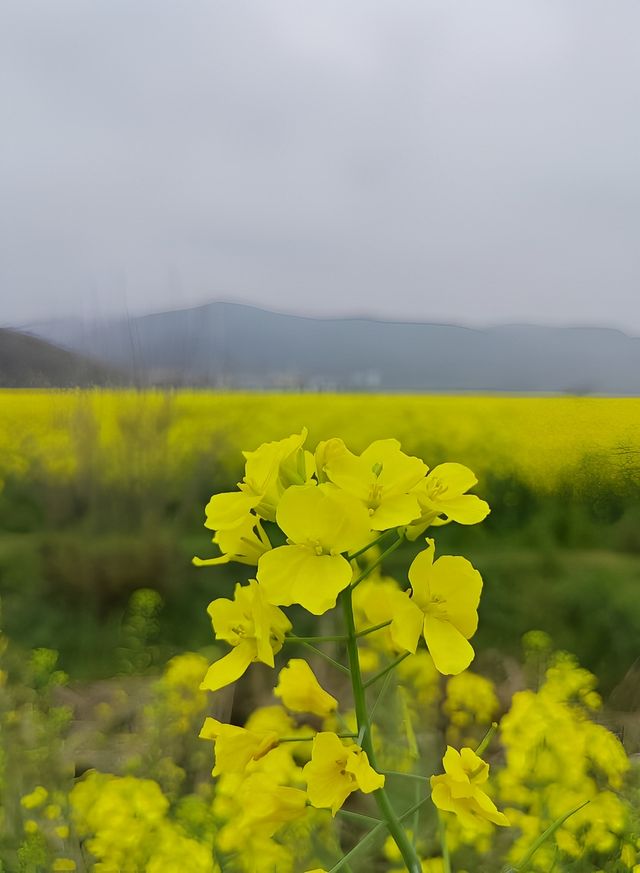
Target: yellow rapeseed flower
x: 300, y: 691
x: 442, y: 497
x: 321, y: 523
x: 336, y: 770
x: 458, y: 789
x: 442, y: 607
x: 269, y: 470
x: 252, y: 626
x: 243, y: 544
x: 381, y: 477
x: 235, y: 746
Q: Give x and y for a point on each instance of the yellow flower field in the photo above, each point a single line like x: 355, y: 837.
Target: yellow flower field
x: 540, y: 440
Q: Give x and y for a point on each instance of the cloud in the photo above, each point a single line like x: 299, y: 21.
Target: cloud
x: 467, y: 162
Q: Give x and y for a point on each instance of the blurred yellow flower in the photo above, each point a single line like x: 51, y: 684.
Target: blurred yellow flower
x: 235, y: 746
x: 300, y: 691
x: 458, y: 791
x: 252, y: 626
x: 36, y: 798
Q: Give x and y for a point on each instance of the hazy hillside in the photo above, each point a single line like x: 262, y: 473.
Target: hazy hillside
x: 29, y: 362
x: 241, y: 346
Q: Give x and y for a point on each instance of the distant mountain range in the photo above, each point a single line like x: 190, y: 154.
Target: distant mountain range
x: 29, y: 362
x: 232, y: 345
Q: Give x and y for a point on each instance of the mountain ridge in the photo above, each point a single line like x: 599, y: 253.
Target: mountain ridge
x: 224, y: 344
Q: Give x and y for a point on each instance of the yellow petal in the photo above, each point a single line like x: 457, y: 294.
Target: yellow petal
x: 407, y: 626
x: 465, y: 509
x: 455, y: 580
x: 420, y: 574
x: 450, y: 651
x: 300, y: 691
x: 229, y: 510
x: 294, y: 574
x: 395, y: 511
x: 456, y: 477
x: 366, y: 777
x: 400, y: 472
x: 323, y: 515
x: 229, y: 668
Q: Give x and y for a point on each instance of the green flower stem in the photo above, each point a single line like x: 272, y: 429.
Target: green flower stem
x: 373, y: 834
x: 404, y: 775
x: 324, y: 655
x: 370, y: 545
x: 386, y: 670
x: 339, y: 638
x: 544, y: 836
x: 371, y: 630
x: 487, y: 738
x: 378, y: 561
x: 358, y: 816
x: 415, y: 823
x: 442, y: 829
x: 311, y: 738
x: 391, y: 820
x: 385, y: 685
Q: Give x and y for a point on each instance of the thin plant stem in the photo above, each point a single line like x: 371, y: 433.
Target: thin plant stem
x: 378, y: 561
x: 311, y: 738
x: 370, y: 545
x: 544, y: 836
x: 399, y: 773
x: 328, y: 658
x: 386, y: 670
x: 446, y: 860
x: 484, y: 742
x: 358, y: 816
x: 385, y: 685
x: 372, y: 834
x: 370, y: 630
x: 391, y: 820
x: 416, y: 815
x: 338, y: 638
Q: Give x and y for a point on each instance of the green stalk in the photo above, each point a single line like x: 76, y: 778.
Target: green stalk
x: 370, y: 630
x: 387, y: 669
x: 442, y: 829
x: 370, y: 545
x: 373, y: 834
x: 391, y: 820
x: 394, y: 545
x: 339, y: 638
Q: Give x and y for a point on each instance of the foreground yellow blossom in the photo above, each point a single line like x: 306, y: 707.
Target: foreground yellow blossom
x: 243, y: 544
x: 458, y: 789
x: 321, y: 523
x: 381, y: 477
x: 336, y: 770
x: 269, y: 470
x: 300, y: 691
x: 442, y: 497
x: 254, y: 628
x: 443, y: 607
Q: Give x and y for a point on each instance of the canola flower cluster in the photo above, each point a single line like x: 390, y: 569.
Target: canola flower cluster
x: 333, y: 507
x: 135, y: 823
x: 316, y: 526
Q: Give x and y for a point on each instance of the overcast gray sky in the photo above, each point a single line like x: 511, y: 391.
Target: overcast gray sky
x: 475, y: 161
